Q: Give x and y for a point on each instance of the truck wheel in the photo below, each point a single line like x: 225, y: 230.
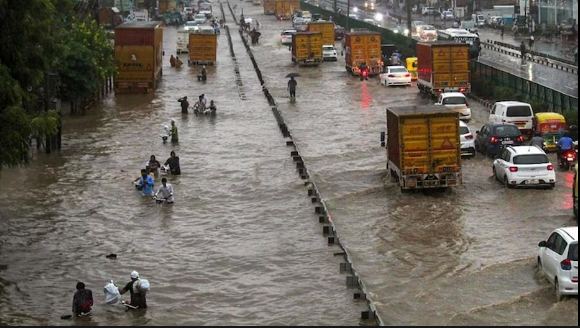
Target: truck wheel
x: 394, y: 177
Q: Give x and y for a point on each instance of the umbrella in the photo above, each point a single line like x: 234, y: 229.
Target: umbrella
x: 292, y: 75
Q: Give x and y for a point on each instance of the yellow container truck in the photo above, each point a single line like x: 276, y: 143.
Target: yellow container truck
x: 423, y: 147
x: 307, y: 48
x: 327, y: 30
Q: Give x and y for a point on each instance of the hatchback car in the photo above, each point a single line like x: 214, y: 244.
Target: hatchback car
x: 467, y: 140
x: 395, y: 75
x: 558, y: 260
x: 329, y: 52
x: 447, y: 15
x: 457, y: 102
x: 493, y: 137
x: 524, y: 166
x: 286, y: 37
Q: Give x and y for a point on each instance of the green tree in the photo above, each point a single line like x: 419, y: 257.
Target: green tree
x: 88, y: 58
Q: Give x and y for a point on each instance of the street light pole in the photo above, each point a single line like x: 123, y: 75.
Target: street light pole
x: 347, y: 14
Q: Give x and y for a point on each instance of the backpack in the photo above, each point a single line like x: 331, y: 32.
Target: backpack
x: 141, y: 286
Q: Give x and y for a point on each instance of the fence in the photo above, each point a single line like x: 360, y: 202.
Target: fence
x: 556, y: 101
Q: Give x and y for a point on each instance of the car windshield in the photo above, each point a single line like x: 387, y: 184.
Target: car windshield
x: 428, y: 28
x: 518, y: 111
x: 507, y: 131
x: 531, y: 159
x: 464, y: 130
x: 287, y: 33
x: 329, y: 48
x: 398, y: 70
x: 573, y: 252
x: 454, y: 101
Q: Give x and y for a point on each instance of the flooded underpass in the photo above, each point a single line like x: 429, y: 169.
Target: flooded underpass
x: 241, y: 245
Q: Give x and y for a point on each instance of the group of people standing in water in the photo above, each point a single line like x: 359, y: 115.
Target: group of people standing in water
x: 145, y: 182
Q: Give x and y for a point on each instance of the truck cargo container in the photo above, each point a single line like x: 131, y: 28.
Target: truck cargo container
x: 285, y: 8
x: 326, y: 28
x: 269, y: 7
x: 443, y: 66
x: 307, y: 48
x: 423, y: 147
x: 202, y: 49
x: 362, y: 46
x: 139, y: 56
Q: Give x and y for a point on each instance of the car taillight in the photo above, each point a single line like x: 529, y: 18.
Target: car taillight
x: 494, y: 140
x: 550, y: 167
x: 390, y: 75
x: 407, y: 75
x: 513, y: 168
x: 566, y: 265
x: 462, y: 89
x: 469, y: 136
x: 520, y: 138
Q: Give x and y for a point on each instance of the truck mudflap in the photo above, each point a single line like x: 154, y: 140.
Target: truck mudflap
x: 435, y: 180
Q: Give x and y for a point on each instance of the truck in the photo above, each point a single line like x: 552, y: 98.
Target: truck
x: 285, y: 8
x: 307, y: 48
x: 269, y: 7
x: 326, y: 28
x: 362, y: 46
x: 443, y: 66
x: 202, y: 49
x: 423, y: 147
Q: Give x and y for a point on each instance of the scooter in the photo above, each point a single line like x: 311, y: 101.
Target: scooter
x: 567, y: 159
x: 164, y: 170
x: 201, y: 77
x: 165, y: 136
x: 364, y: 74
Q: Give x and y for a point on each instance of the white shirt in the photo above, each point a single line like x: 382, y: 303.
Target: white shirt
x: 165, y: 192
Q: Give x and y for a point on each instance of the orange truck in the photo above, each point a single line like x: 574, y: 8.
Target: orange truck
x: 307, y: 48
x: 285, y: 8
x: 423, y: 147
x: 269, y: 7
x: 326, y: 28
x: 362, y: 46
x: 202, y: 49
x: 139, y: 56
x: 443, y: 66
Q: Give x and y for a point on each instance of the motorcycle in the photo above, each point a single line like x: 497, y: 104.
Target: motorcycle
x: 364, y: 74
x: 164, y: 170
x: 166, y: 135
x: 201, y: 77
x: 568, y: 158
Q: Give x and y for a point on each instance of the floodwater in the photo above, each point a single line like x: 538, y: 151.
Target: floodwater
x: 241, y: 245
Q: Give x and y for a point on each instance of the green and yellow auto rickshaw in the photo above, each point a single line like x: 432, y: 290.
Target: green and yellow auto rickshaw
x: 552, y: 127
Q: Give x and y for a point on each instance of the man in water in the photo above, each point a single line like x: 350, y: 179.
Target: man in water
x: 138, y: 298
x: 82, y: 301
x: 184, y: 104
x: 173, y: 162
x: 165, y: 192
x: 146, y: 183
x: 174, y: 133
x: 292, y: 87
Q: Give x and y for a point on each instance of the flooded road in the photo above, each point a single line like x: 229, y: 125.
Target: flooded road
x: 241, y: 245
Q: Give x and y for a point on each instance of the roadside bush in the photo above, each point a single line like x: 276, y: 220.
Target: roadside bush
x: 502, y: 93
x: 571, y: 116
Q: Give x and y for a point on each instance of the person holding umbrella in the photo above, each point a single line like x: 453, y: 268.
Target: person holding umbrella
x: 292, y: 85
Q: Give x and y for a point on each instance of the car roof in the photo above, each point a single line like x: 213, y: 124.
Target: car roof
x: 570, y: 232
x: 328, y: 45
x: 453, y: 94
x: 397, y: 67
x: 511, y: 102
x: 530, y: 150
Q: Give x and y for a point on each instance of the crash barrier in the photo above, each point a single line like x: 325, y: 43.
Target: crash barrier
x: 353, y: 279
x: 536, y: 57
x: 556, y: 101
x: 239, y: 83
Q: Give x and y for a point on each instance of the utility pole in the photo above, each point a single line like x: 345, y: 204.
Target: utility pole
x: 409, y: 18
x: 347, y: 14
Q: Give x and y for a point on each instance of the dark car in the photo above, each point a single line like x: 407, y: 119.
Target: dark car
x: 338, y: 32
x: 493, y: 137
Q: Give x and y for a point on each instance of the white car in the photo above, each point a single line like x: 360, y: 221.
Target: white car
x: 447, y: 15
x: 467, y: 140
x: 329, y: 52
x: 286, y: 36
x: 524, y: 166
x: 457, y: 102
x: 558, y: 260
x: 428, y: 32
x: 395, y: 75
x: 200, y: 18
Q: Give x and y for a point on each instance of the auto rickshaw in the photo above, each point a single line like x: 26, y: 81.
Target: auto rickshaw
x: 412, y: 67
x: 552, y: 127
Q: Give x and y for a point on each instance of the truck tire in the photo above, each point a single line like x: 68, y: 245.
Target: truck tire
x: 394, y: 177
